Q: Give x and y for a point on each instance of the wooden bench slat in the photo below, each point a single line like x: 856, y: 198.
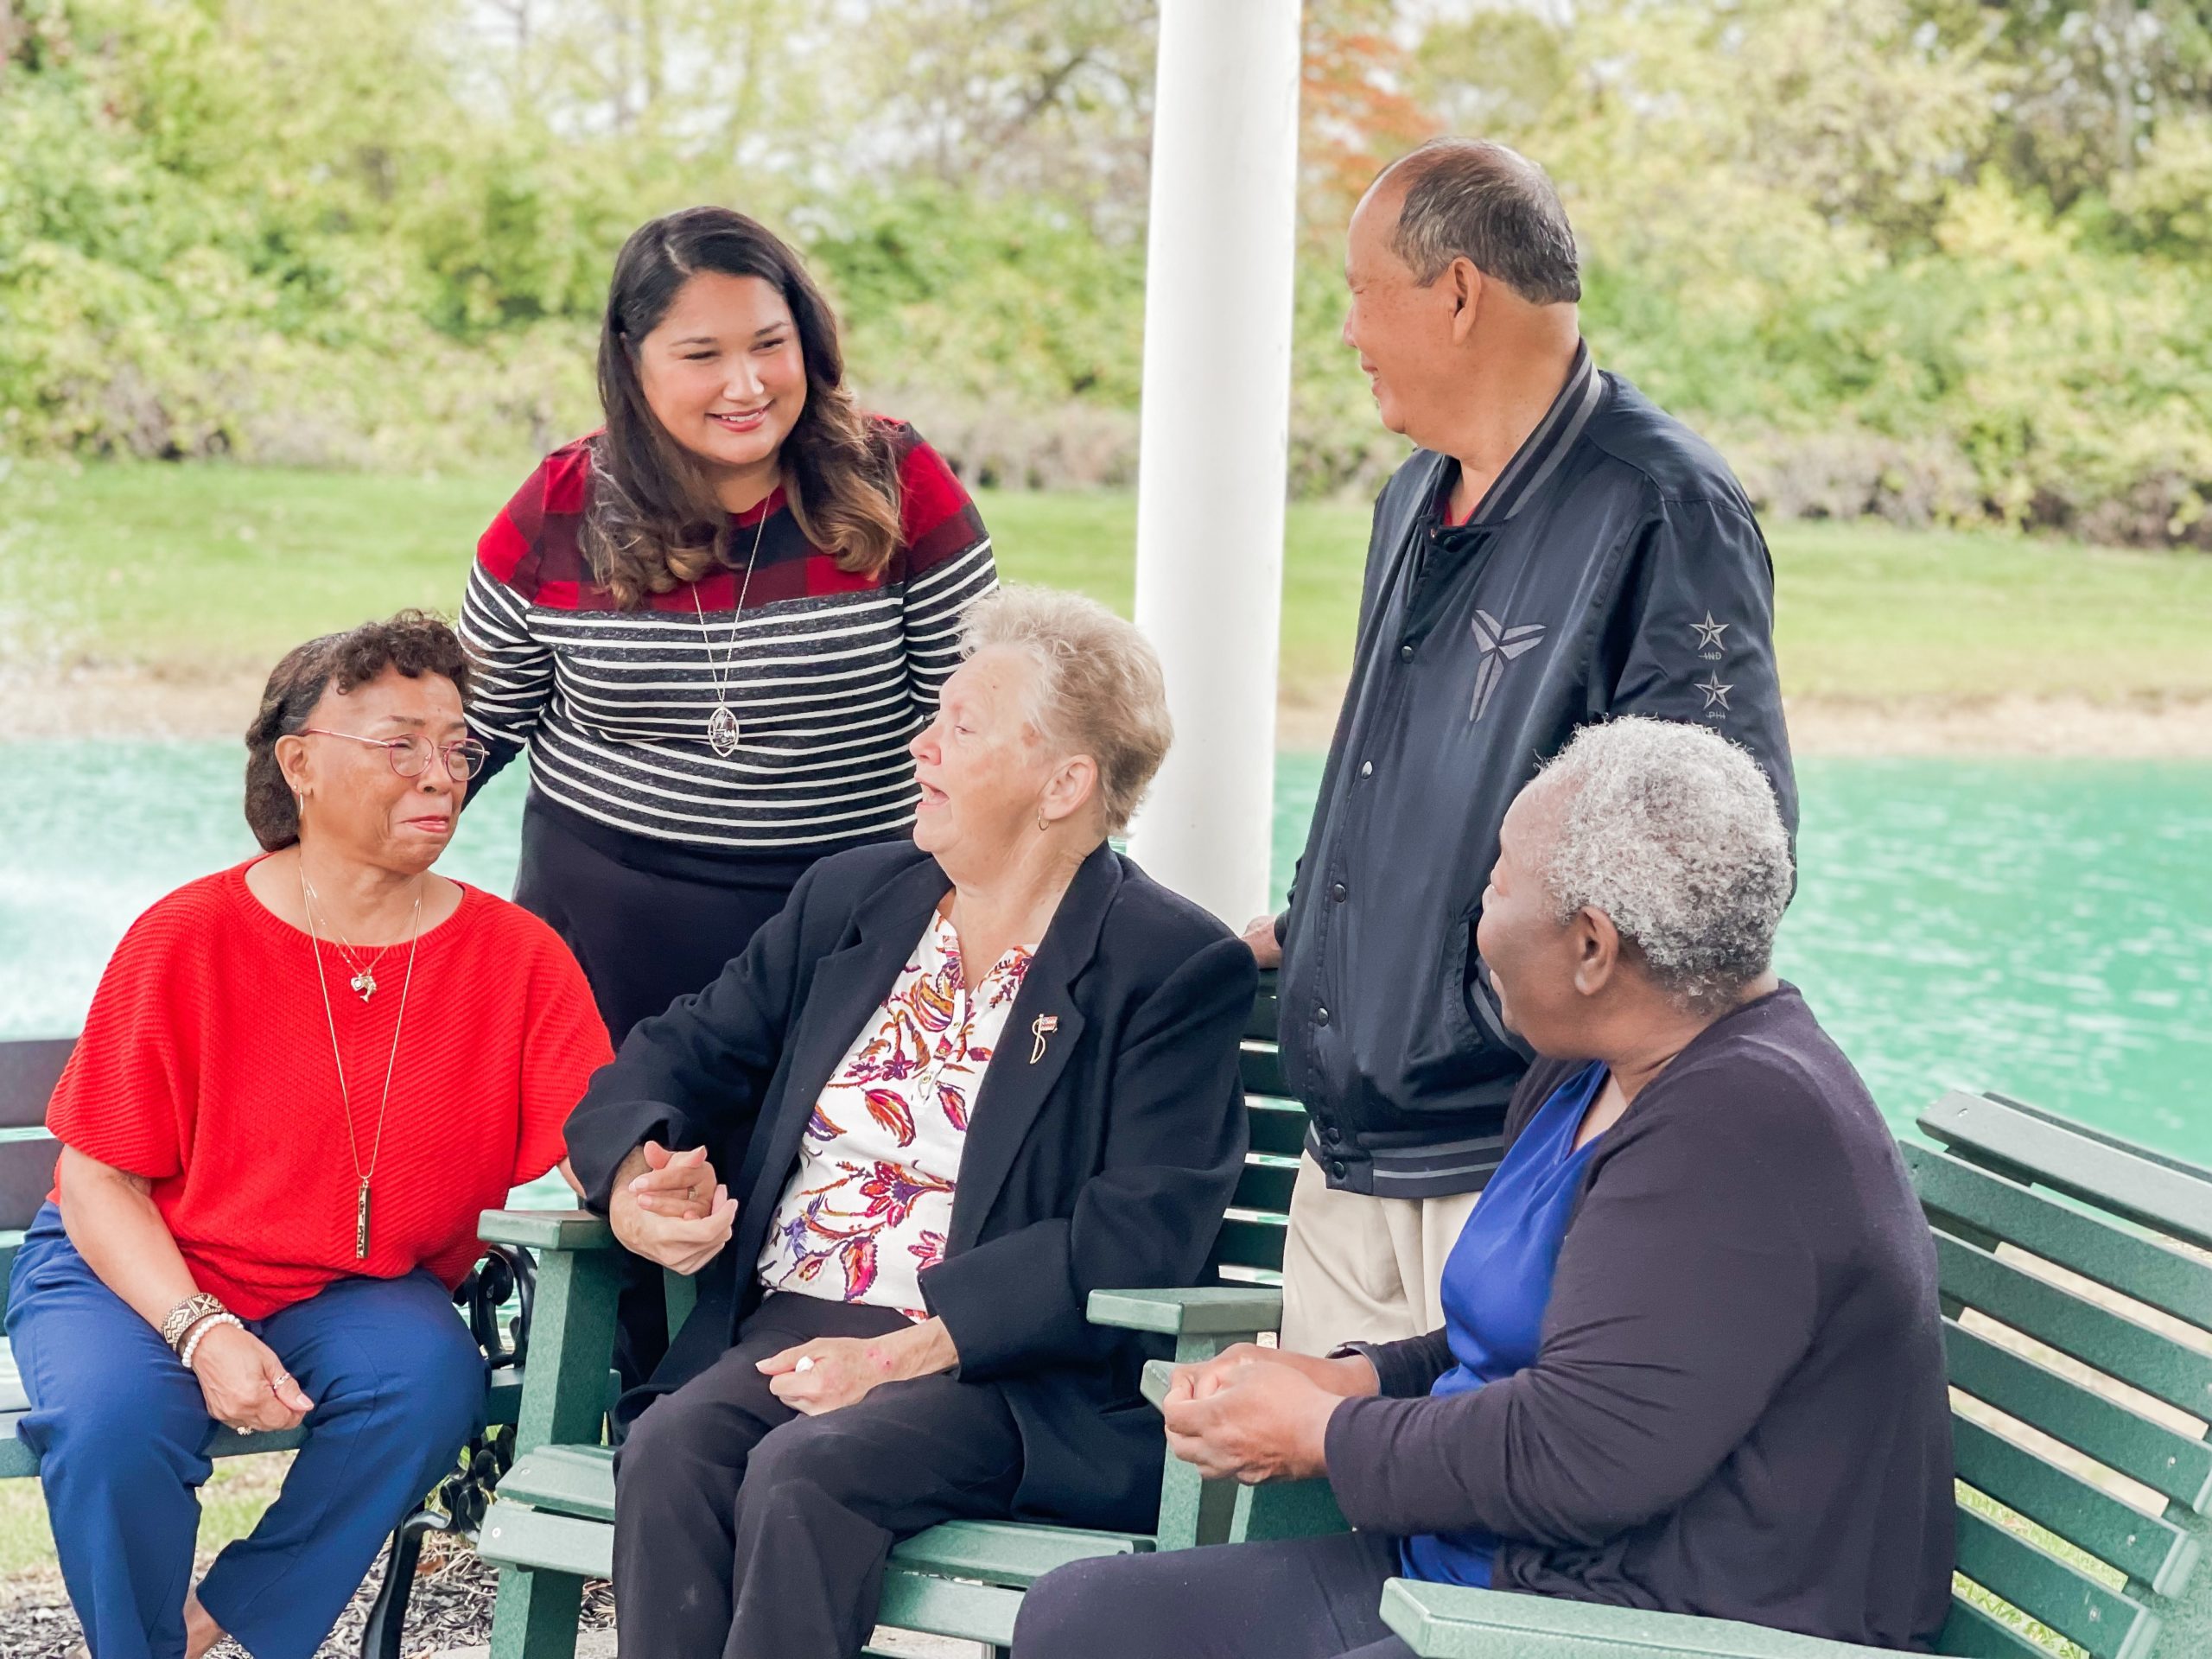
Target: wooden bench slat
x: 2052, y: 1591
x: 2117, y: 1175
x: 1265, y: 1021
x: 25, y: 1177
x: 2151, y: 1551
x: 576, y: 1480
x: 1972, y: 1632
x: 1278, y: 1127
x: 2089, y: 1245
x: 1261, y: 1071
x: 935, y: 1606
x: 29, y: 1067
x: 2170, y: 1464
x: 1007, y: 1552
x: 1266, y: 1183
x: 516, y: 1536
x: 1251, y: 1239
x: 2097, y: 1337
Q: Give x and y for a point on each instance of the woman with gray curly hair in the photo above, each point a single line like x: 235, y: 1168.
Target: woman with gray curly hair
x: 955, y: 1087
x: 1691, y: 1359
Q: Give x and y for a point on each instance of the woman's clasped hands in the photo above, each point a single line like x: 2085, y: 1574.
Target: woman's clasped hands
x: 1258, y: 1413
x: 670, y: 1208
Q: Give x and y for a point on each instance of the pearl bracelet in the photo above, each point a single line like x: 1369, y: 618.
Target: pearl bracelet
x: 200, y: 1331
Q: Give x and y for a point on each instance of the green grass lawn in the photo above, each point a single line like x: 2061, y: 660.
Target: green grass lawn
x: 193, y: 570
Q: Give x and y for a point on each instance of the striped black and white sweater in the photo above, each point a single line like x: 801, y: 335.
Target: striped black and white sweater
x: 828, y: 674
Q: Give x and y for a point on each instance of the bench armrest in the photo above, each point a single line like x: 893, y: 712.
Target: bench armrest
x: 564, y: 1389
x: 1232, y: 1311
x: 545, y: 1229
x: 1445, y: 1621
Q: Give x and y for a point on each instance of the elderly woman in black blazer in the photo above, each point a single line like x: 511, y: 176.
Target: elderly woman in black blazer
x: 952, y: 1089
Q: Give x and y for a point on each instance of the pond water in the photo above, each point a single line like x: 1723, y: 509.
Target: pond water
x: 2040, y: 928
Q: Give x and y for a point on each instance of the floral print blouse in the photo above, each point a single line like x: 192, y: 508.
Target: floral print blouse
x: 870, y: 1203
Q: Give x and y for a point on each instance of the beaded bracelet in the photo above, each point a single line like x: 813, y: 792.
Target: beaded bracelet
x: 180, y: 1320
x: 200, y: 1331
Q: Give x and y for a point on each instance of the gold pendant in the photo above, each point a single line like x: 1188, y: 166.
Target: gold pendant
x: 365, y: 983
x: 361, y: 1224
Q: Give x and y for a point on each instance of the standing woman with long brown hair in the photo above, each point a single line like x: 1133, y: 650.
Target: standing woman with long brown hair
x: 714, y: 625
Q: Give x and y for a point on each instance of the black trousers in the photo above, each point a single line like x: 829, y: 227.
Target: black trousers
x: 649, y: 923
x: 744, y: 1529
x: 1301, y: 1598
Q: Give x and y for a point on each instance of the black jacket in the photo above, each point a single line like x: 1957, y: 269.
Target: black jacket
x: 1105, y: 1163
x: 1613, y: 568
x: 1737, y: 1407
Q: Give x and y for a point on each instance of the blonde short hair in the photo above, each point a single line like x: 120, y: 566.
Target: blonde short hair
x: 1099, y: 688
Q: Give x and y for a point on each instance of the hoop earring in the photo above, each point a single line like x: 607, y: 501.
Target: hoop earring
x: 1041, y: 824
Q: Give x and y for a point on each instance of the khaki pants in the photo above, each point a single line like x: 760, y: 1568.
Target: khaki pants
x: 1356, y: 1268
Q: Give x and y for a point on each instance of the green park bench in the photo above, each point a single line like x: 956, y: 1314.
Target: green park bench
x: 500, y: 1284
x: 2039, y: 1222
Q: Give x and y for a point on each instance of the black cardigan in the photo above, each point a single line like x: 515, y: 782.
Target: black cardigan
x: 1105, y: 1163
x: 1738, y: 1406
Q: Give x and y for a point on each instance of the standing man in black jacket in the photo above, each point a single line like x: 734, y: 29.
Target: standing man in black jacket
x: 1557, y: 551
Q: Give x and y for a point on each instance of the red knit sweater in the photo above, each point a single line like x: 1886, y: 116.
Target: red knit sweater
x: 206, y: 1067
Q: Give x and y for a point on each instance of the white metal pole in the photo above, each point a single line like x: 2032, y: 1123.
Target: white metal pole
x: 1213, y: 450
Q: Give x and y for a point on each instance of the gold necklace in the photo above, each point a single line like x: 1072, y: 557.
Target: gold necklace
x: 363, y: 981
x: 345, y: 1097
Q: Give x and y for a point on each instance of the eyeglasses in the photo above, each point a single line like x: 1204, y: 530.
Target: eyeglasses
x: 410, y: 756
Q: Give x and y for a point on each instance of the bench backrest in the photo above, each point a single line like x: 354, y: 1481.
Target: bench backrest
x: 28, y: 1070
x: 2076, y: 1278
x: 1249, y: 1248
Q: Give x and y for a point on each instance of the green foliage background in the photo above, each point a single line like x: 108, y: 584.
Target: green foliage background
x: 1929, y: 259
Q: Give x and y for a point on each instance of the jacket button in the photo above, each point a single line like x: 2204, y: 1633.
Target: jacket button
x: 1320, y: 1016
x: 1339, y: 893
x: 1404, y: 653
x: 1332, y: 1134
x: 1336, y: 1167
x: 1367, y: 768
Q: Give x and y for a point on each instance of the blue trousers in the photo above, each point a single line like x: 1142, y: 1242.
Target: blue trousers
x: 123, y: 1431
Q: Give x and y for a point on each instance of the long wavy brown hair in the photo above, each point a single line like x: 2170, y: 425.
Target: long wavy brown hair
x: 653, y: 521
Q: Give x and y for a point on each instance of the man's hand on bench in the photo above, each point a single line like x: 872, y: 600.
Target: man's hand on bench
x: 670, y: 1208
x: 246, y: 1385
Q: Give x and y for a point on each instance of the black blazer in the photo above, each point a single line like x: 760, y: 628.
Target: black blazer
x: 1105, y: 1163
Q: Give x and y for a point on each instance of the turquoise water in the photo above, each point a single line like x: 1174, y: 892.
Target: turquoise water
x: 2043, y: 928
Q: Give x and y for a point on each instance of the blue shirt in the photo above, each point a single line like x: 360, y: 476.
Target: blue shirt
x: 1497, y: 1281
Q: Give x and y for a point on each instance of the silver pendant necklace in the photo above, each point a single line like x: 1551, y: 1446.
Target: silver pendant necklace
x: 722, y: 733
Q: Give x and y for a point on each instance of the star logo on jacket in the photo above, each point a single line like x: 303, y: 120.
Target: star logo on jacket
x: 1499, y: 645
x: 1708, y: 636
x: 1716, y: 694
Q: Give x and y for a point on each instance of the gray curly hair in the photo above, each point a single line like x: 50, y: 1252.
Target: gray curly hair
x: 1672, y: 831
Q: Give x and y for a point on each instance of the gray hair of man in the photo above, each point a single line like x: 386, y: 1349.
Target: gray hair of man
x: 1471, y: 199
x: 1097, y: 690
x: 1672, y: 831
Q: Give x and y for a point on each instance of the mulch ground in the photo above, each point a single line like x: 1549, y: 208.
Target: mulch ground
x: 451, y: 1608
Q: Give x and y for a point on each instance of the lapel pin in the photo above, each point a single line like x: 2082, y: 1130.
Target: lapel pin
x: 1041, y: 1027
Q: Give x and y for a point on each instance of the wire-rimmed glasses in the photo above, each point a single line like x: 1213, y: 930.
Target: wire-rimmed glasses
x: 411, y: 755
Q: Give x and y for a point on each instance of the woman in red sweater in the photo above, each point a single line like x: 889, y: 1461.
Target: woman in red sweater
x: 301, y: 1080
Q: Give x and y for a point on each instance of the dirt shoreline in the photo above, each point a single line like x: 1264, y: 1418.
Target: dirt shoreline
x: 126, y: 702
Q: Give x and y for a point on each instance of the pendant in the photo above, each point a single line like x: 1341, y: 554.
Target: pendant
x: 722, y: 731
x: 365, y: 983
x: 361, y: 1224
